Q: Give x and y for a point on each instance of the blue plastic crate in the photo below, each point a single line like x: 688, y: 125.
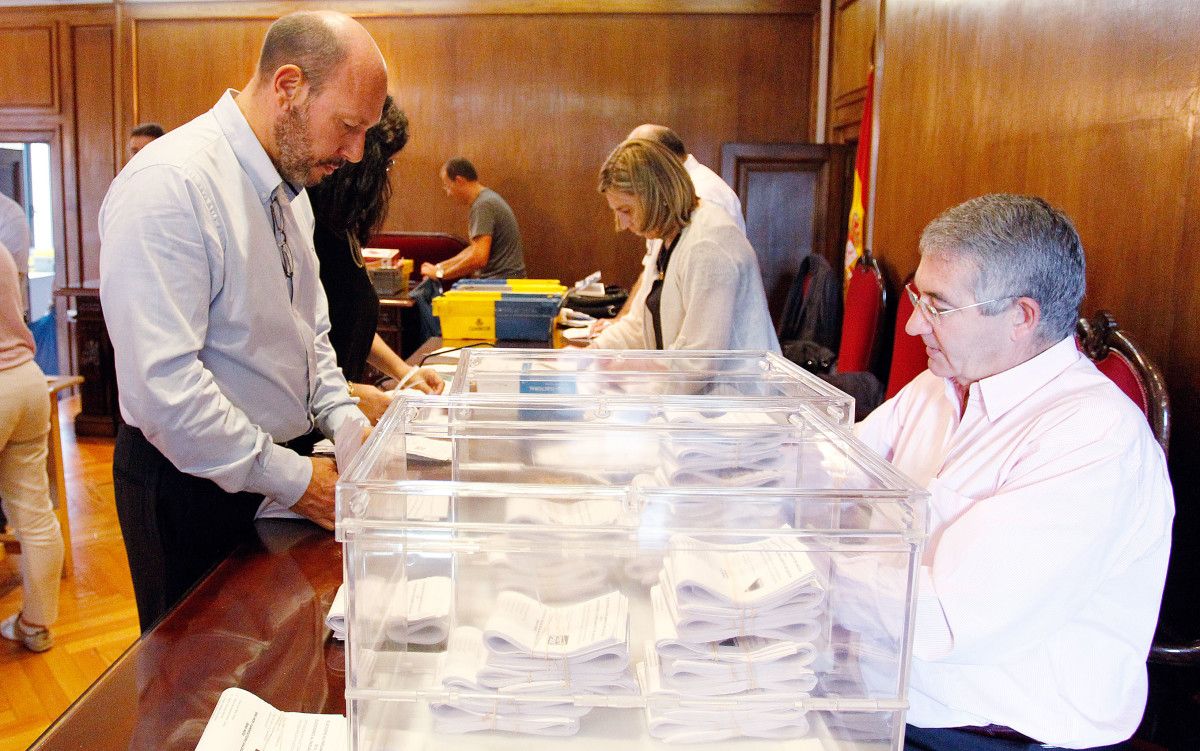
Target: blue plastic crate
x: 527, y: 318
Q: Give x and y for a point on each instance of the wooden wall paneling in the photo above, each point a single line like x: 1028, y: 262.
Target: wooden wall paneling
x: 538, y: 101
x: 220, y: 54
x: 28, y: 74
x: 175, y: 9
x: 535, y: 99
x: 94, y: 121
x: 854, y: 25
x: 796, y: 204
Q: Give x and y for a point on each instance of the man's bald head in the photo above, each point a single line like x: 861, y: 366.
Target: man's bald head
x: 319, y: 43
x: 660, y: 134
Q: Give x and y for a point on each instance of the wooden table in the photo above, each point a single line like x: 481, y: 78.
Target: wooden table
x: 257, y: 621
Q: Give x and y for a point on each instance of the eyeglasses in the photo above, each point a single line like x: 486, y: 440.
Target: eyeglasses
x: 279, y: 224
x: 932, y: 314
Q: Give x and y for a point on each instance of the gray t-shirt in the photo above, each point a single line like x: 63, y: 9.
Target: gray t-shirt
x: 490, y: 215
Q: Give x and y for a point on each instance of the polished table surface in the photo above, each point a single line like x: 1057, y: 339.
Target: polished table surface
x: 257, y: 622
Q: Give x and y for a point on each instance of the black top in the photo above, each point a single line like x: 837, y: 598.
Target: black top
x: 353, y: 304
x: 654, y: 298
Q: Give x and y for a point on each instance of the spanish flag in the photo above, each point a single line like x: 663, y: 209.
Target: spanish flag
x: 855, y: 237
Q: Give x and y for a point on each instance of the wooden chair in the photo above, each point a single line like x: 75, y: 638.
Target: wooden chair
x: 54, y: 471
x: 862, y: 311
x: 1118, y: 357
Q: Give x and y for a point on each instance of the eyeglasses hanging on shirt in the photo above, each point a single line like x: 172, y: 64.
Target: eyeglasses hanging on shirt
x: 279, y: 224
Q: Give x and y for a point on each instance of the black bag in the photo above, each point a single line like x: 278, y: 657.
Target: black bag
x: 599, y: 306
x: 811, y: 356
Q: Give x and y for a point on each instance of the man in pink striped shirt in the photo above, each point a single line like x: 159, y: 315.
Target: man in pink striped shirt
x: 1050, y: 504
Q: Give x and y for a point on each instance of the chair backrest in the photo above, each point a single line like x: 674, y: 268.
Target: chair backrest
x: 1119, y: 358
x: 861, y: 314
x: 421, y: 247
x: 908, y: 351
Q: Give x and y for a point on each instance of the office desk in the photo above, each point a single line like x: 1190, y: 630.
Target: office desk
x: 256, y: 621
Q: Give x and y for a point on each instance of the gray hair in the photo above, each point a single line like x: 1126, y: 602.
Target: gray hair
x: 1020, y: 246
x: 306, y: 40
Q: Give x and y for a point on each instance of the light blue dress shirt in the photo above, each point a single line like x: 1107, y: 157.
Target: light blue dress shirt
x: 218, y: 352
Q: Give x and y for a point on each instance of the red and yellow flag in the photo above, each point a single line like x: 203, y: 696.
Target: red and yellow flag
x: 856, y: 237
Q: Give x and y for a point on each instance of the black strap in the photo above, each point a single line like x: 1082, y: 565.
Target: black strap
x: 654, y: 299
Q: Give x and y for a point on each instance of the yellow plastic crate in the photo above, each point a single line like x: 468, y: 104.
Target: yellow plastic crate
x: 467, y: 315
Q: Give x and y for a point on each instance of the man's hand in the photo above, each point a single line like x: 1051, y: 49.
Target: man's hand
x: 371, y: 401
x: 429, y: 270
x: 318, y: 499
x: 425, y: 380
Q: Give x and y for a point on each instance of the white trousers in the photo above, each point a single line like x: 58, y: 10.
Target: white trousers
x: 25, y: 490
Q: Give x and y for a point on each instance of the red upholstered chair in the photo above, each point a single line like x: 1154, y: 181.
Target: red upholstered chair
x: 908, y: 351
x: 862, y: 311
x: 1119, y: 358
x: 421, y: 247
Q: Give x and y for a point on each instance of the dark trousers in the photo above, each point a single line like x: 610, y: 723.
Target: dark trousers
x: 950, y: 739
x: 176, y: 526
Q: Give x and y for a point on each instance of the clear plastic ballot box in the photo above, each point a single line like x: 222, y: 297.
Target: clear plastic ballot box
x: 523, y: 574
x: 749, y: 377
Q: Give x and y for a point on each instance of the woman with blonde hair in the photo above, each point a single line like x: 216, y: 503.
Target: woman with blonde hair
x: 706, y: 290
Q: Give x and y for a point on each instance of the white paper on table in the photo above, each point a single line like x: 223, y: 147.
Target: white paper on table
x: 427, y: 611
x: 426, y: 619
x: 694, y: 722
x: 757, y: 575
x: 449, y: 718
x: 349, y: 438
x: 714, y: 624
x: 243, y: 722
x: 587, y: 512
x: 428, y: 508
x: 545, y: 576
x: 429, y: 449
x: 732, y: 651
x: 592, y: 630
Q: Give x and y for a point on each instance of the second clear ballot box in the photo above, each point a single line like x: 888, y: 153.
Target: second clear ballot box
x: 572, y: 571
x: 748, y: 377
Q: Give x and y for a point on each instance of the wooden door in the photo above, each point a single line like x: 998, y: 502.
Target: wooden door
x: 796, y: 199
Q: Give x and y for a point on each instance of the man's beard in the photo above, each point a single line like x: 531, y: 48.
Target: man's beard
x: 296, y: 160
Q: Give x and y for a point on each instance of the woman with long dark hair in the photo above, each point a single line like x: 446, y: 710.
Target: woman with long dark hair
x: 349, y: 206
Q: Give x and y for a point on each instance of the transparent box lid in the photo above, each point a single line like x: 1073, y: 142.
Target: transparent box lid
x: 735, y: 453
x: 752, y: 377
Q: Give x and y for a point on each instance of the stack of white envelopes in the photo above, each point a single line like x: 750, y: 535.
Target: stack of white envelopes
x: 521, y: 671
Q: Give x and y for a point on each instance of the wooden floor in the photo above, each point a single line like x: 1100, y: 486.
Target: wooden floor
x: 98, y: 617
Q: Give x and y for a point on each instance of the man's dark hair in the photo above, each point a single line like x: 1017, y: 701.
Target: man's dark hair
x: 355, y: 198
x: 671, y: 140
x: 306, y: 40
x: 154, y: 130
x: 460, y: 167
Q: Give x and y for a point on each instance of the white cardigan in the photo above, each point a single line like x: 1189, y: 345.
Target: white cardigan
x: 712, y: 296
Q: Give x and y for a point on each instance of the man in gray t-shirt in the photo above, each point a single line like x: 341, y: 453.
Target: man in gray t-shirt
x: 495, y: 251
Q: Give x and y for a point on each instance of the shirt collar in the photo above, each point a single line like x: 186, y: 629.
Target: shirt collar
x: 1003, y: 391
x: 249, y: 151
